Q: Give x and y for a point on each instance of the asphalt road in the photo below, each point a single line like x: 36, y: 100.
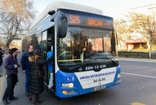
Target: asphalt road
x: 138, y: 87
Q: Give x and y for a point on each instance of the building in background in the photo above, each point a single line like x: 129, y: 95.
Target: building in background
x: 135, y: 43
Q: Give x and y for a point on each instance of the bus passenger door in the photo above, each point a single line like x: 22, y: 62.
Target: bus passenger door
x: 50, y: 47
x: 44, y: 53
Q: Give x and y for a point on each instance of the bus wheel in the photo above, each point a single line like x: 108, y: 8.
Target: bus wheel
x: 58, y: 98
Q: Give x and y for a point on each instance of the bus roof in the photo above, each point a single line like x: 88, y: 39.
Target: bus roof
x: 64, y: 5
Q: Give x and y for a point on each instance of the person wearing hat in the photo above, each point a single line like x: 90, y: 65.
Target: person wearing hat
x: 1, y: 60
x: 36, y: 76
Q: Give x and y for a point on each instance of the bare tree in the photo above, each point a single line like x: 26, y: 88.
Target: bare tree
x: 15, y: 16
x: 2, y: 44
x: 123, y: 31
x: 144, y: 24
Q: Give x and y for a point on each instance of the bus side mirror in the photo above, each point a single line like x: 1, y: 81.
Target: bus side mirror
x: 61, y: 24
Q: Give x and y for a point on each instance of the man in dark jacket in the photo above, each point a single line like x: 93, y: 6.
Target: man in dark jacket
x: 11, y: 66
x: 1, y: 60
x: 26, y: 66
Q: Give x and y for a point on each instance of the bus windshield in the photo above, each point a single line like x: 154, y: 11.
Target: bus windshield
x: 83, y: 45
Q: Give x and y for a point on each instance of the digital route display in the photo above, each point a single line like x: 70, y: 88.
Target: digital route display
x: 88, y: 19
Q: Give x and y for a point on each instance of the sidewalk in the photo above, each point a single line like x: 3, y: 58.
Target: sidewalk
x: 138, y: 60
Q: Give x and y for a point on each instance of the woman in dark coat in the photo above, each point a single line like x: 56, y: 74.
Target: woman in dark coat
x: 36, y: 82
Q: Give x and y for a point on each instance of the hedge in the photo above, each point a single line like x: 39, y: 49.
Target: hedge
x: 129, y: 54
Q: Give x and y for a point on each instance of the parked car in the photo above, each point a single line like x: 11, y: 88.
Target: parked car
x: 153, y: 52
x: 101, y: 56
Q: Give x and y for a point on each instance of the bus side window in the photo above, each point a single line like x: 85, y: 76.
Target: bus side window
x: 44, y: 45
x: 50, y: 39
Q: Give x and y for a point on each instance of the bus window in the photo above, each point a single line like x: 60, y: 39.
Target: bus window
x: 50, y: 39
x: 107, y: 44
x: 44, y: 45
x: 83, y: 45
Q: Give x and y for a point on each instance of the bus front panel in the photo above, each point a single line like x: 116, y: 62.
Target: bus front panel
x: 70, y: 84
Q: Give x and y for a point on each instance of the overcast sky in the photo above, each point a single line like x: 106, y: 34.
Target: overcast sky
x: 113, y: 8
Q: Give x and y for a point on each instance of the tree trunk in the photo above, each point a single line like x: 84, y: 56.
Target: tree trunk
x: 150, y: 50
x: 148, y: 44
x: 7, y: 49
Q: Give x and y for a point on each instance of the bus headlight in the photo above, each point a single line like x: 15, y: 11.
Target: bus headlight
x: 119, y: 75
x: 67, y: 85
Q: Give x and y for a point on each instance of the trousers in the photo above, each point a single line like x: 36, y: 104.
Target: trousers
x: 50, y: 81
x: 27, y: 73
x: 1, y: 69
x: 12, y: 79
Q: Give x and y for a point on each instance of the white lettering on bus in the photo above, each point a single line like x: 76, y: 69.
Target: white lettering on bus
x: 97, y: 75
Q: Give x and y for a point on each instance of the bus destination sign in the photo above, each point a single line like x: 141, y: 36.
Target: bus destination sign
x: 88, y: 21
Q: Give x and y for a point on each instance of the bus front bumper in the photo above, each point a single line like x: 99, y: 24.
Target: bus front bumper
x: 71, y: 92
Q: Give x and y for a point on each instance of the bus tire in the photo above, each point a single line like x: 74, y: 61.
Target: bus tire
x: 58, y: 98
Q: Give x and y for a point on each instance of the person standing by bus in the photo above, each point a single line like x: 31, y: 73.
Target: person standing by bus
x: 36, y: 76
x: 26, y: 66
x: 1, y: 60
x: 11, y: 66
x: 50, y: 68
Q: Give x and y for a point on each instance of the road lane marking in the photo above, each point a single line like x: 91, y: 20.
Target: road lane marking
x: 2, y: 83
x: 137, y: 103
x: 142, y: 67
x: 147, y: 76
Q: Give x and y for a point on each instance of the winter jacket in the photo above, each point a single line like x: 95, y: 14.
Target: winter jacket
x: 25, y: 61
x: 9, y: 64
x: 50, y: 64
x: 36, y: 82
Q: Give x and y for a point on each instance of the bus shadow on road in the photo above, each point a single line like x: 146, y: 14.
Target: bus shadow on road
x: 86, y: 99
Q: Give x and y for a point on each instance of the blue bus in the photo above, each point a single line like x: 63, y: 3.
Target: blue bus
x: 84, y: 48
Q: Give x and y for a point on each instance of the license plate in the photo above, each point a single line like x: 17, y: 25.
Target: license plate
x: 99, y: 88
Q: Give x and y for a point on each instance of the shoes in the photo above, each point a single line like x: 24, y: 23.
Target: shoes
x: 27, y: 94
x: 30, y: 98
x: 13, y: 98
x: 38, y: 102
x: 6, y: 102
x: 0, y: 75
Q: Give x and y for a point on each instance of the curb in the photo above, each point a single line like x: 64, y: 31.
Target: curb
x: 138, y: 60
